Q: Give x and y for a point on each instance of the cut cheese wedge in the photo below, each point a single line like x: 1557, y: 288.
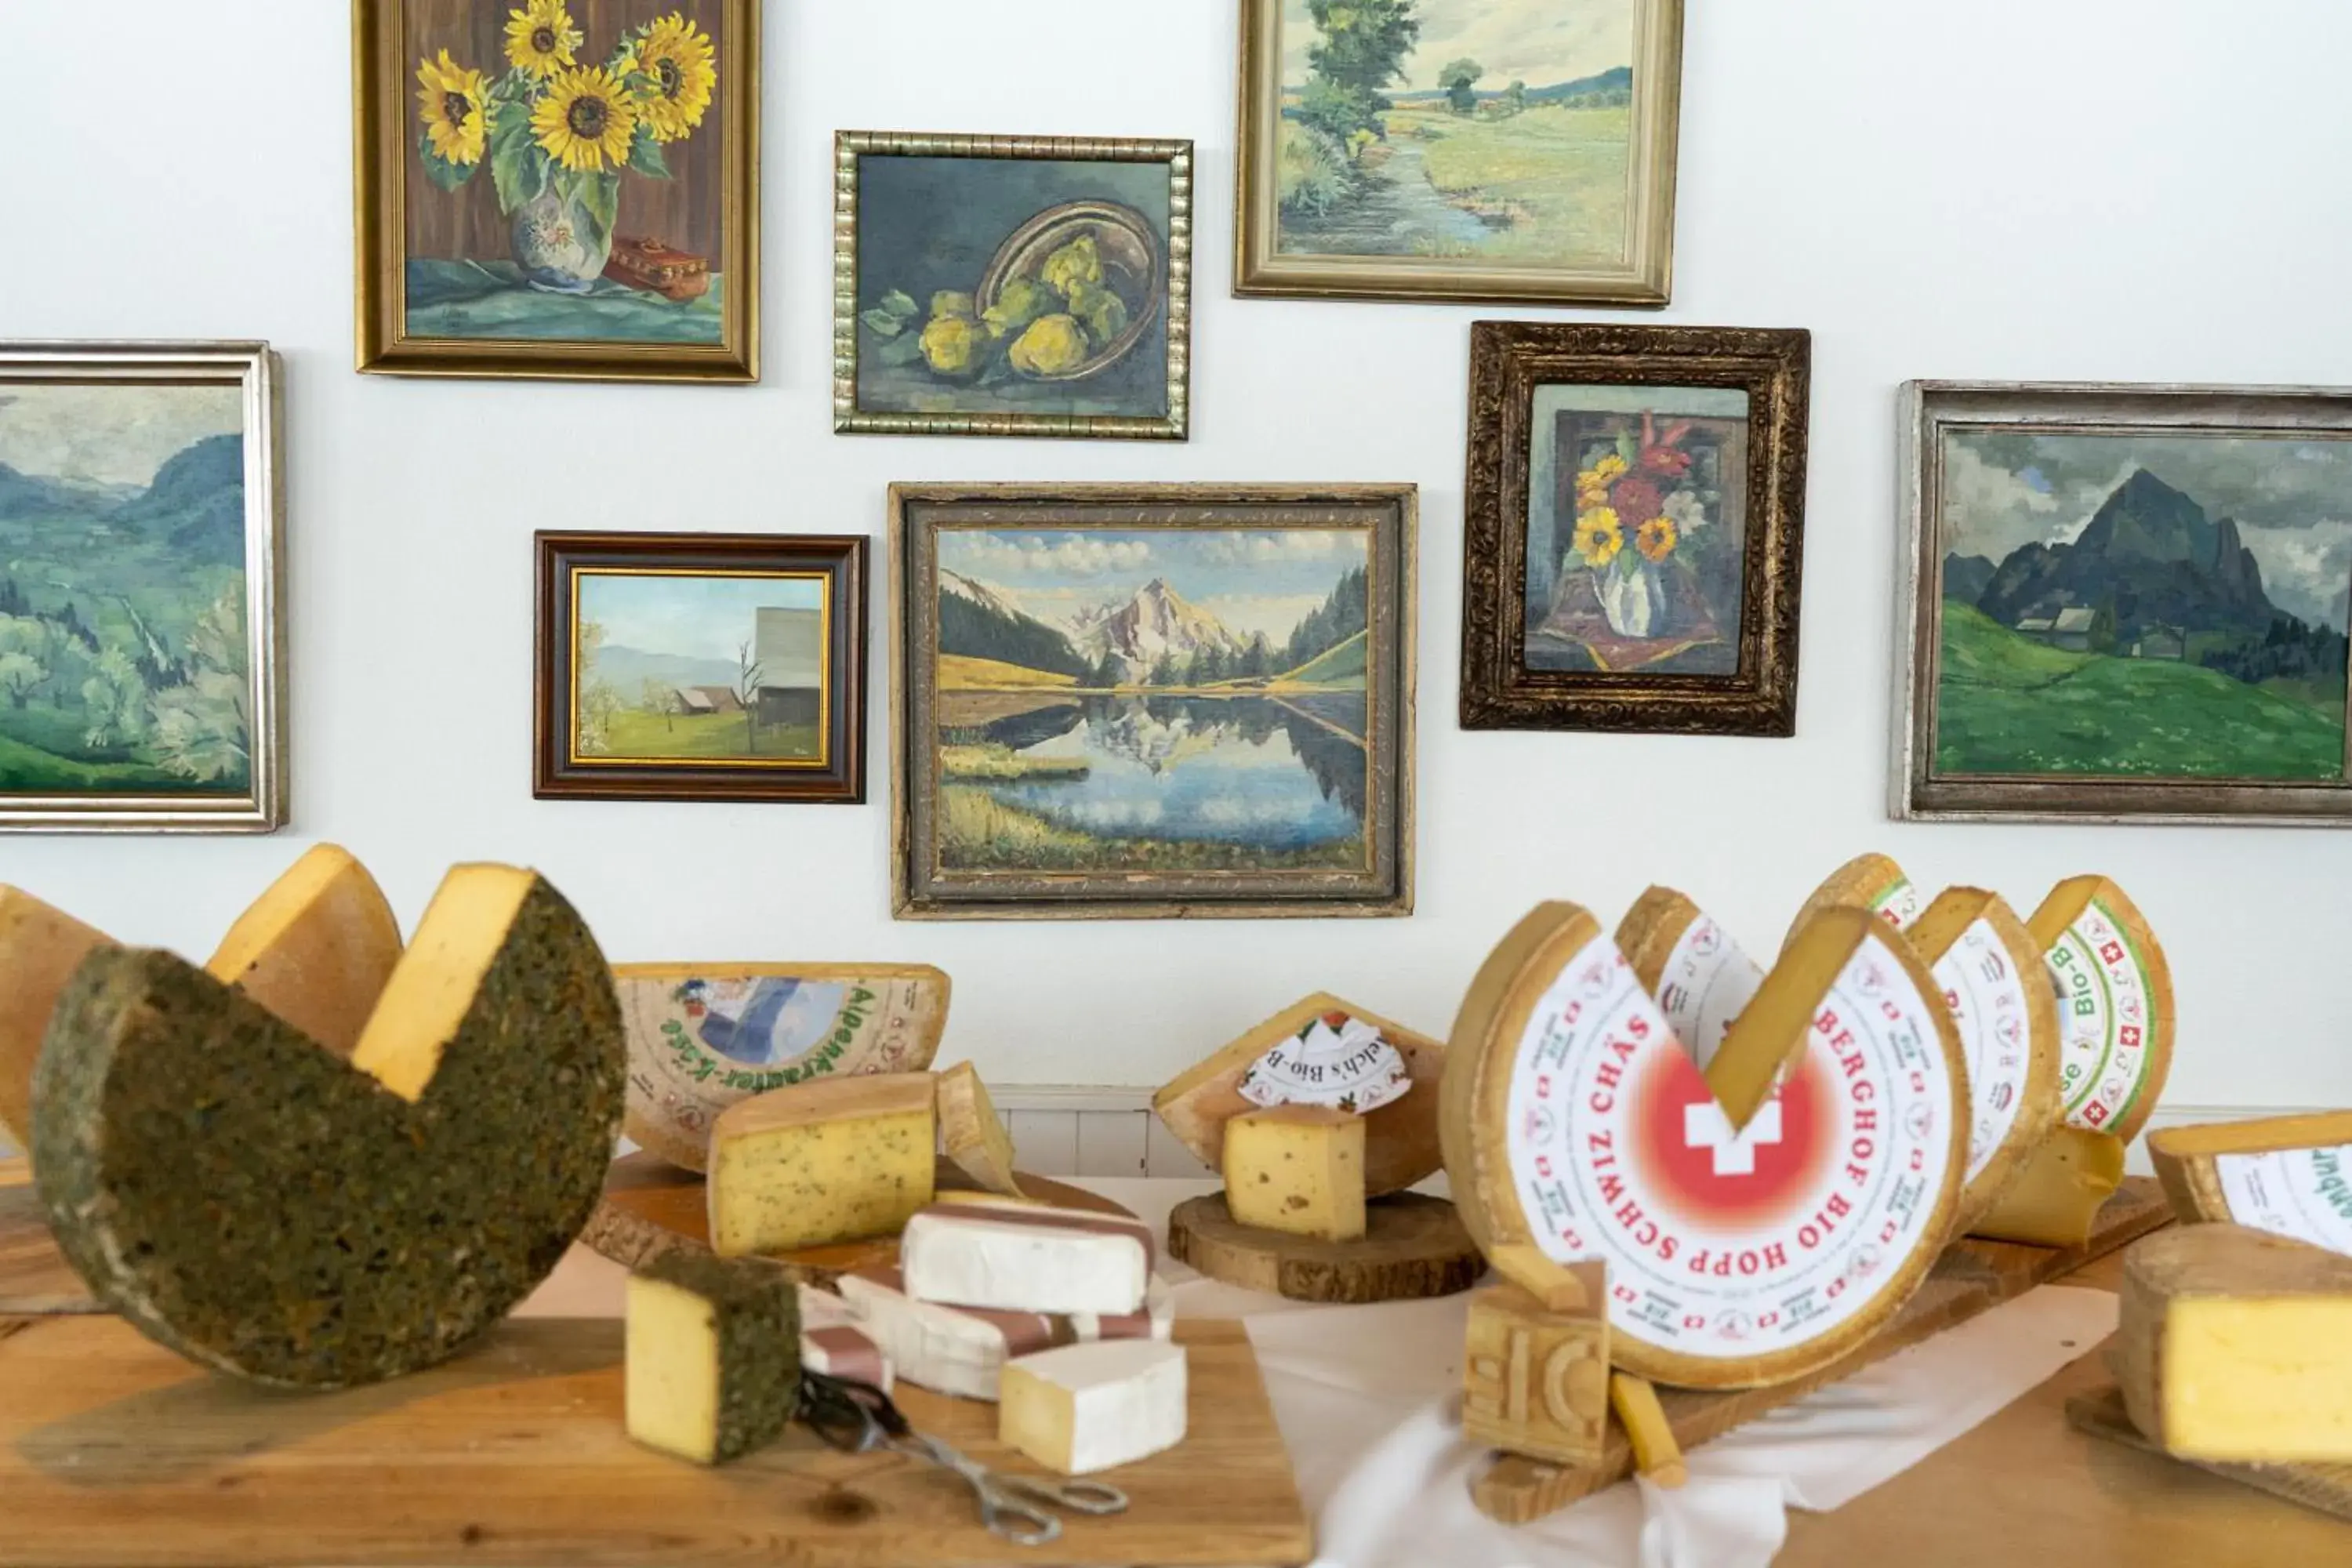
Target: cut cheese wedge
x: 972, y: 1134
x: 2114, y: 1005
x: 2290, y: 1176
x: 1401, y: 1138
x: 258, y: 1204
x: 2235, y: 1346
x: 705, y: 1036
x: 2056, y: 1198
x: 839, y: 1159
x: 1084, y: 1408
x: 1298, y: 1169
x: 1577, y: 1127
x: 40, y: 948
x: 317, y: 949
x: 1689, y: 962
x: 1992, y: 971
x: 713, y: 1369
x: 1873, y: 882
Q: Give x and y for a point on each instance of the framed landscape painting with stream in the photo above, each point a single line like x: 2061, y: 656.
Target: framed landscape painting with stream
x: 2124, y: 602
x: 1140, y: 701
x: 558, y: 188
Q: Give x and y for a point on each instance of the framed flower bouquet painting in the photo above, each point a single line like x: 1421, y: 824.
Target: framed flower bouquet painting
x: 558, y: 188
x: 1634, y: 528
x: 701, y: 667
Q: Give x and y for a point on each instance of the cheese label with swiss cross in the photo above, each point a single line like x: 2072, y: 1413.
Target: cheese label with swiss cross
x: 2306, y: 1194
x: 1899, y: 904
x: 1336, y: 1061
x: 2104, y: 1007
x: 1989, y: 1002
x: 1707, y: 983
x: 1733, y: 1246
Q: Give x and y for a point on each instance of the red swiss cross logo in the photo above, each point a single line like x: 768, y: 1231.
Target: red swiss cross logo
x: 1711, y: 1176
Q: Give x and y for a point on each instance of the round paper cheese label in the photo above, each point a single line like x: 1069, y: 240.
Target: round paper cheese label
x: 2105, y: 1011
x: 2306, y: 1194
x: 1899, y: 905
x: 1988, y: 999
x: 1337, y: 1061
x: 1730, y: 1245
x: 1706, y: 983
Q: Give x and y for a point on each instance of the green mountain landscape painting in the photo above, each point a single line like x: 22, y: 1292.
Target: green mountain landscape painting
x: 2144, y: 607
x: 124, y: 669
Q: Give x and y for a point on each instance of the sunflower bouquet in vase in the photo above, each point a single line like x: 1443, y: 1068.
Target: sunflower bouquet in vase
x: 558, y: 132
x: 1636, y: 512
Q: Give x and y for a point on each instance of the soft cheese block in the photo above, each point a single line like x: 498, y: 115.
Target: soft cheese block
x: 961, y: 1349
x: 2114, y: 1005
x: 317, y: 948
x: 264, y: 1206
x: 1085, y: 1408
x: 1873, y: 882
x: 972, y: 1134
x: 2056, y: 1197
x: 1298, y: 1168
x: 2235, y: 1346
x: 705, y: 1036
x: 1402, y: 1146
x: 2290, y: 1176
x: 837, y: 1159
x: 834, y: 1340
x: 40, y: 948
x: 1022, y: 1257
x: 713, y: 1369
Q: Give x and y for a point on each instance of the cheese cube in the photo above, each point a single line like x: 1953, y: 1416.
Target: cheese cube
x: 836, y: 1160
x: 972, y: 1132
x: 2057, y: 1198
x: 1298, y: 1168
x: 1085, y: 1408
x: 1022, y: 1257
x: 1535, y: 1382
x: 2235, y: 1346
x: 317, y: 949
x: 713, y: 1371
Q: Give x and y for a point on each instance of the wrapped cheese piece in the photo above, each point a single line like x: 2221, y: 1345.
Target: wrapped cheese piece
x: 962, y: 1350
x: 1019, y: 1257
x: 834, y: 1342
x: 1085, y: 1408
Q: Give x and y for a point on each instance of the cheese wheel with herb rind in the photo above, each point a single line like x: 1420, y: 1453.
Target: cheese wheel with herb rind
x: 2290, y: 1176
x: 2114, y: 1005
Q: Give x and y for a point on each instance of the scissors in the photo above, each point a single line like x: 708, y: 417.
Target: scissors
x: 859, y: 1418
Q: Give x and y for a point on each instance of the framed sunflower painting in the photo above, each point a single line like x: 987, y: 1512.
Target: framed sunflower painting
x: 558, y: 188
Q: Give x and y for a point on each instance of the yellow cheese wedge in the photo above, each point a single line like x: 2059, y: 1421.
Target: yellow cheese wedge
x: 1992, y: 972
x: 1535, y: 1381
x: 713, y: 1369
x: 431, y: 993
x: 39, y: 950
x: 1873, y: 882
x: 2291, y: 1175
x: 1299, y: 1169
x: 2235, y: 1346
x: 2114, y: 1005
x: 838, y: 1159
x: 2057, y: 1196
x: 315, y: 949
x: 972, y: 1134
x: 1656, y: 1454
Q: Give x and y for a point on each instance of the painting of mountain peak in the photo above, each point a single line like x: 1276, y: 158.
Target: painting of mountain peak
x: 124, y: 663
x: 2143, y: 606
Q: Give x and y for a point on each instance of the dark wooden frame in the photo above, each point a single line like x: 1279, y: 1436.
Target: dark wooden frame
x: 1509, y: 360
x: 1393, y: 512
x: 840, y: 558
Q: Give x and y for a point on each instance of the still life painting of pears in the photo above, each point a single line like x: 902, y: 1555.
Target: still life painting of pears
x: 572, y: 162
x: 1012, y: 285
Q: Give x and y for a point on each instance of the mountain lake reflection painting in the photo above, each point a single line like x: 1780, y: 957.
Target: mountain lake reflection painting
x: 1165, y: 701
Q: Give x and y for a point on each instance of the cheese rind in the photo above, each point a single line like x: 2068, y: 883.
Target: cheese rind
x: 837, y: 1159
x: 713, y: 1368
x: 1873, y: 882
x: 2114, y: 1005
x: 2235, y: 1346
x: 705, y: 1036
x: 1689, y: 962
x: 317, y: 948
x: 1299, y: 1169
x: 962, y: 1350
x: 1085, y: 1408
x: 2056, y: 1198
x: 2290, y: 1176
x: 1535, y: 1381
x: 1401, y: 1143
x: 1019, y: 1258
x: 40, y: 948
x: 972, y: 1134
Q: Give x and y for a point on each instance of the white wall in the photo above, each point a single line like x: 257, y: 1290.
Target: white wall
x: 2121, y: 189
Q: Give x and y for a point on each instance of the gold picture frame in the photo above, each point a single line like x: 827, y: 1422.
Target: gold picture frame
x: 656, y: 300
x: 1648, y: 89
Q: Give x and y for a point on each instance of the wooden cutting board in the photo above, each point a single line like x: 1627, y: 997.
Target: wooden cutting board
x: 2326, y: 1488
x: 1971, y: 1277
x: 34, y: 1278
x: 115, y: 1454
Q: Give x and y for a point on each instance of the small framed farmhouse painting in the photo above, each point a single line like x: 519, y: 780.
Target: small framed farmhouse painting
x: 1145, y: 701
x: 143, y: 673
x: 558, y: 188
x: 1514, y: 151
x: 1012, y: 286
x: 701, y: 667
x: 2124, y: 602
x: 1635, y: 528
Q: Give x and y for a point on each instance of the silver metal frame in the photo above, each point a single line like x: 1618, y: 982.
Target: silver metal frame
x: 1929, y: 409
x: 253, y: 369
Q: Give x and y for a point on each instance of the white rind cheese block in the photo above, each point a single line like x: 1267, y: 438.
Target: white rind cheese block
x: 1686, y: 960
x: 1021, y: 1257
x: 962, y: 1351
x: 2289, y: 1175
x: 835, y: 1342
x: 1085, y: 1408
x: 2114, y: 1005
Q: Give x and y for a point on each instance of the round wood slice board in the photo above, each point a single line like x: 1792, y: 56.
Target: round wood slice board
x: 652, y: 1208
x: 1413, y: 1246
